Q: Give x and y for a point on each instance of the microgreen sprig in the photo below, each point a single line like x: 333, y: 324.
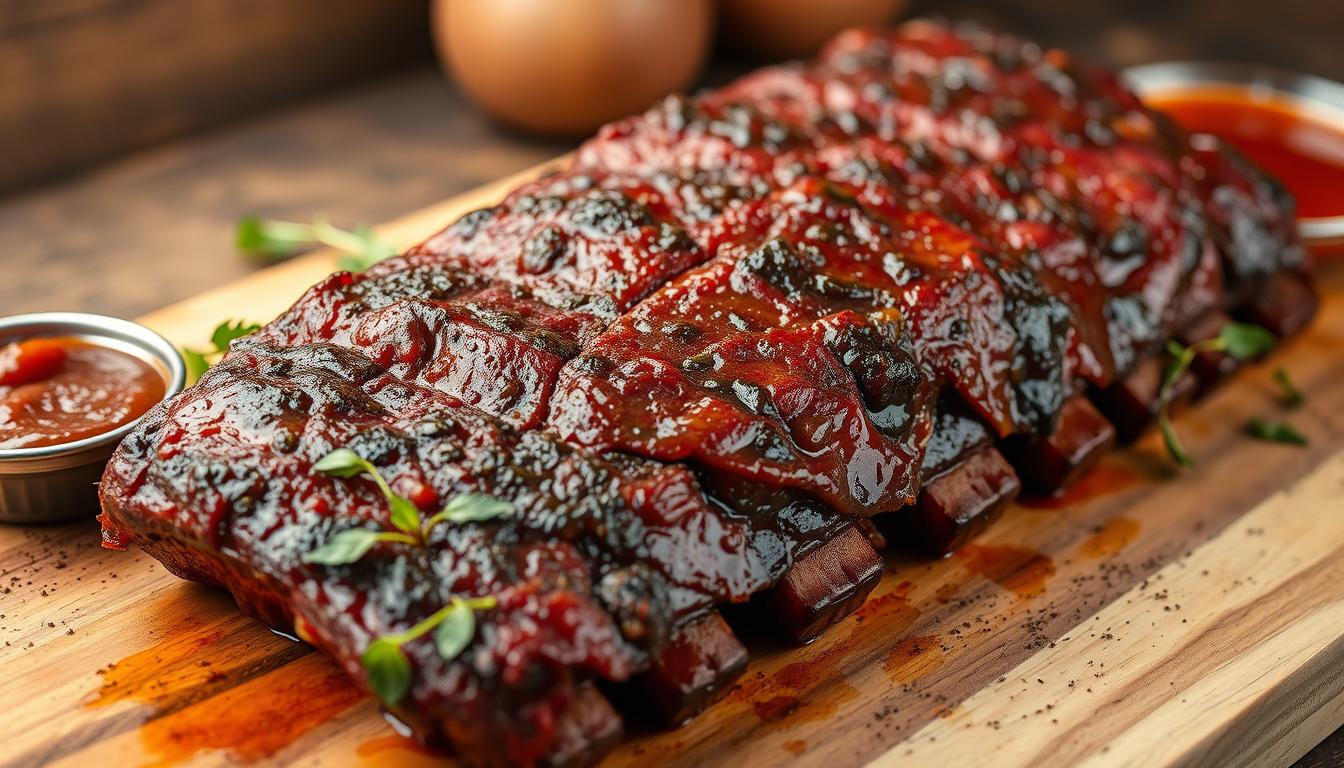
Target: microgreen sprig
x: 198, y: 362
x: 350, y: 545
x: 385, y: 661
x: 344, y: 462
x: 469, y: 508
x: 1239, y: 341
x: 271, y: 239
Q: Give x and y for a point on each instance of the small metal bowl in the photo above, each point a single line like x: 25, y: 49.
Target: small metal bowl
x: 1321, y: 98
x: 59, y: 482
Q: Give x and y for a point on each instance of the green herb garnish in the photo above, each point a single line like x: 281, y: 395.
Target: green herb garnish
x: 458, y: 625
x: 1239, y: 341
x: 385, y: 661
x: 1291, y: 395
x: 225, y: 333
x: 350, y: 545
x: 469, y: 508
x: 388, y: 670
x: 271, y: 239
x: 344, y: 462
x: 1275, y: 432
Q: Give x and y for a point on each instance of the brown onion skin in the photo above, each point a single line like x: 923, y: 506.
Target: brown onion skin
x: 783, y: 29
x: 564, y: 68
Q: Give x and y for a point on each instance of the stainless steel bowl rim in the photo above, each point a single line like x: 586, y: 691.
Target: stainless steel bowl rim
x: 98, y: 447
x: 1171, y: 75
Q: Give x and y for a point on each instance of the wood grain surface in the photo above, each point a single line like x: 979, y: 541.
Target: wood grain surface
x: 1154, y: 617
x: 157, y: 227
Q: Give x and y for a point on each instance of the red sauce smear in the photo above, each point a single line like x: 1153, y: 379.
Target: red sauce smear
x: 395, y: 751
x: 62, y: 389
x: 913, y: 658
x: 1290, y: 140
x: 1024, y: 572
x: 795, y: 747
x: 1101, y: 480
x: 1108, y: 540
x: 257, y: 719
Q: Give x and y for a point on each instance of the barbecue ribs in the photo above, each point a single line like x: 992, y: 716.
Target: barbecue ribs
x: 895, y: 282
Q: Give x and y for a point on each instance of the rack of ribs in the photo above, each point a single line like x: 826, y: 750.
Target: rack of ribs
x: 740, y: 343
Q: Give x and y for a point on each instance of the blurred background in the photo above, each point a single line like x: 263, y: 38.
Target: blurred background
x: 135, y: 133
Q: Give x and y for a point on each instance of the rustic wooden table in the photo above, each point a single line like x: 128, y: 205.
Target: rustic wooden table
x: 156, y: 227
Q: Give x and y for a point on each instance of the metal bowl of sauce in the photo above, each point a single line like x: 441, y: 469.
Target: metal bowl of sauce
x: 72, y: 385
x: 1291, y: 124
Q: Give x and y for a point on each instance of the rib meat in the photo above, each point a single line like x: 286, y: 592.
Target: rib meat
x: 905, y: 279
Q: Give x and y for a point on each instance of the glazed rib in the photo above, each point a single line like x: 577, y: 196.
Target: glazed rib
x: 901, y: 281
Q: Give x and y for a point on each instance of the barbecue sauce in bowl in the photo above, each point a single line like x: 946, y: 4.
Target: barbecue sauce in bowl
x: 57, y: 390
x: 1301, y: 145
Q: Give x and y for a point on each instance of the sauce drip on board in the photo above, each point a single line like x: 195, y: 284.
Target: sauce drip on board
x: 1293, y: 141
x: 1102, y: 480
x: 62, y: 389
x: 1109, y: 539
x: 1022, y: 571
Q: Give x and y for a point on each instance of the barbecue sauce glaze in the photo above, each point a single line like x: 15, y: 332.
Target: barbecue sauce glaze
x: 1295, y: 143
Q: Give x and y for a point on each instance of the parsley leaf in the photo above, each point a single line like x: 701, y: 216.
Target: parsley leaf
x: 385, y: 662
x: 272, y: 239
x: 226, y: 333
x: 362, y: 248
x: 475, y: 507
x: 198, y: 361
x: 1275, y: 432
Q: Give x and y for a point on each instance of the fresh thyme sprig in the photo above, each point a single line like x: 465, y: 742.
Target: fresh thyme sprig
x: 272, y: 239
x: 350, y: 545
x: 198, y: 362
x: 1239, y: 341
x: 385, y: 661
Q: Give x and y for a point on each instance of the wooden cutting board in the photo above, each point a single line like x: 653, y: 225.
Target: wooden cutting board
x: 1152, y: 617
